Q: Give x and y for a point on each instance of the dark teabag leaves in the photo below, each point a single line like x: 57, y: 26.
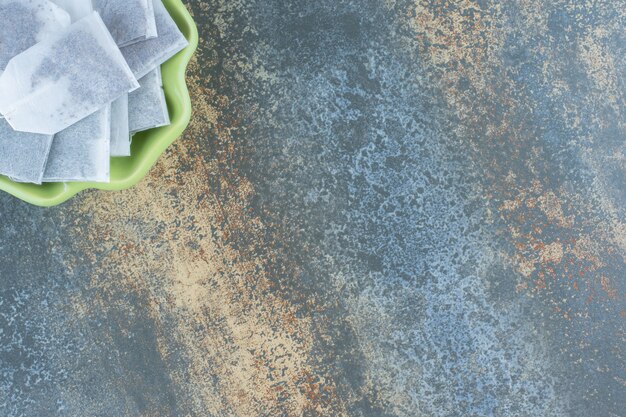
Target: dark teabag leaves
x: 81, y: 152
x: 143, y: 57
x: 23, y: 23
x: 129, y: 21
x: 120, y: 132
x: 147, y: 106
x: 65, y: 78
x: 77, y: 9
x: 23, y: 155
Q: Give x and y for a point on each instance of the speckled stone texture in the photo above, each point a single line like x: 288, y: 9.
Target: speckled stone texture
x: 381, y: 208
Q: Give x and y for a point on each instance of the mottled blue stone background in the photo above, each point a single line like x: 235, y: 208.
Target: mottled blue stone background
x: 381, y: 208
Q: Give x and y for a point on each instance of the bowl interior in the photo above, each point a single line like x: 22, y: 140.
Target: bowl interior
x: 147, y: 146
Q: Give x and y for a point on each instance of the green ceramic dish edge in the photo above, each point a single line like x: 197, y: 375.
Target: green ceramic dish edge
x: 147, y: 146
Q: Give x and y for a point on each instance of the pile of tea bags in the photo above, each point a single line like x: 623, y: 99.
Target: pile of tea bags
x: 77, y: 79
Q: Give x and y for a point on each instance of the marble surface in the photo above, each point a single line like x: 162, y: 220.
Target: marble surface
x: 380, y: 208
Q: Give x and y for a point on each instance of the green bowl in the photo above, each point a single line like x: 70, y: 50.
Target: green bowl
x: 147, y: 146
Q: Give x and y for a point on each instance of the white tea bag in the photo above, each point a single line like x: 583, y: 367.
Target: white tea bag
x: 120, y: 143
x: 23, y: 155
x: 26, y: 22
x: 63, y: 79
x: 147, y: 106
x: 143, y: 57
x: 129, y: 21
x: 120, y: 132
x: 81, y: 152
x: 77, y: 9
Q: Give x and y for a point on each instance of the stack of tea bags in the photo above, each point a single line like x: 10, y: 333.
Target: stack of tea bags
x: 77, y: 79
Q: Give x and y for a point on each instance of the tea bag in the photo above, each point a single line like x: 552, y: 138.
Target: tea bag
x: 143, y: 57
x: 120, y: 132
x: 23, y: 155
x: 77, y: 9
x: 120, y: 142
x: 147, y: 106
x: 81, y: 152
x: 65, y: 78
x: 26, y: 22
x: 129, y: 21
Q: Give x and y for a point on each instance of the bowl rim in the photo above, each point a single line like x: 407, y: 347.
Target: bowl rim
x: 52, y: 194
